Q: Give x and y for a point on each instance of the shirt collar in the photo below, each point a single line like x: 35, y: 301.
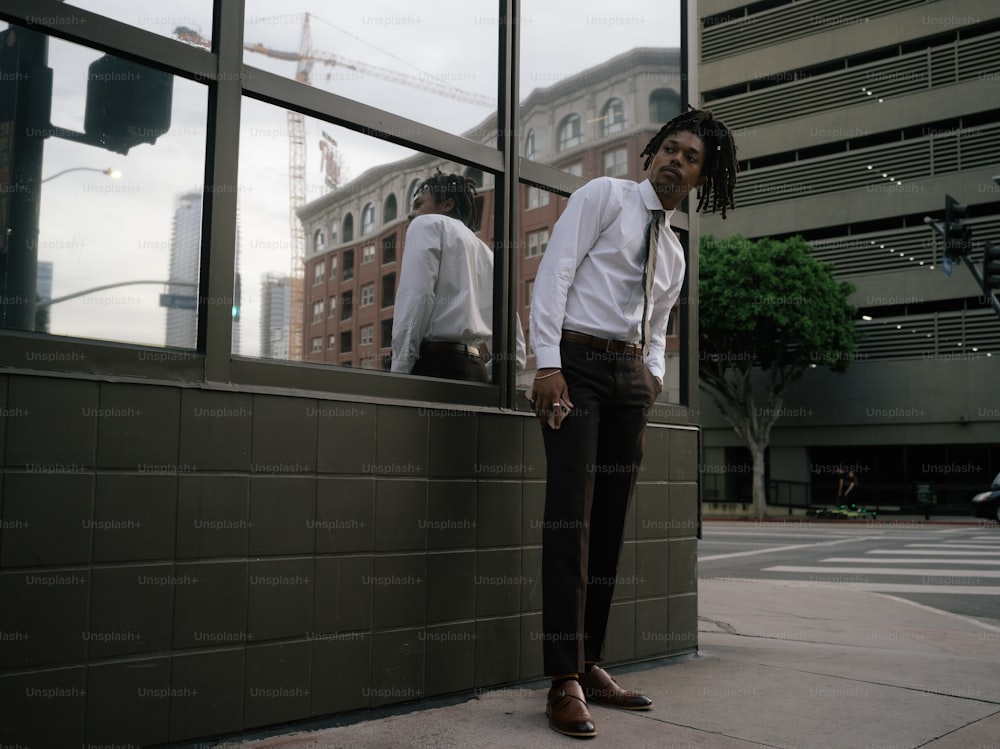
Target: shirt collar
x: 652, y: 202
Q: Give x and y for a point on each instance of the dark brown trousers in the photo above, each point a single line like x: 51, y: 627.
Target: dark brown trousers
x: 592, y: 464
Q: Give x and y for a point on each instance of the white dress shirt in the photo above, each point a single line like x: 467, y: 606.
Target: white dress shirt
x: 590, y: 278
x: 445, y: 290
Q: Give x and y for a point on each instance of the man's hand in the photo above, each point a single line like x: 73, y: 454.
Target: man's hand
x: 551, y: 397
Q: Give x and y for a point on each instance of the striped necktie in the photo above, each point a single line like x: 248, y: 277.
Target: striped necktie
x: 649, y: 272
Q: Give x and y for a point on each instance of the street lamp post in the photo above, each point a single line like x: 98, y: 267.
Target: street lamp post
x: 110, y: 171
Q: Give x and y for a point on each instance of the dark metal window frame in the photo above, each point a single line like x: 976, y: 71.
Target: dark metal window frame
x: 229, y: 81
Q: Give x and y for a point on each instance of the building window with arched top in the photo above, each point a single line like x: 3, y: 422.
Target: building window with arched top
x: 368, y: 219
x: 613, y: 117
x: 570, y: 132
x: 389, y: 209
x: 411, y: 193
x: 529, y: 145
x: 664, y: 105
x: 476, y: 175
x: 318, y: 241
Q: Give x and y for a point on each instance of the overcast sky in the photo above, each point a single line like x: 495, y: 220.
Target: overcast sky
x: 98, y: 231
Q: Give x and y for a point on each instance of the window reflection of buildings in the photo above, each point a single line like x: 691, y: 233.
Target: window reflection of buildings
x: 276, y: 304
x: 185, y: 254
x: 605, y: 117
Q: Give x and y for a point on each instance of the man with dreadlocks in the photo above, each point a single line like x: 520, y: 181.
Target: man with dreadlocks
x: 444, y: 304
x: 611, y: 273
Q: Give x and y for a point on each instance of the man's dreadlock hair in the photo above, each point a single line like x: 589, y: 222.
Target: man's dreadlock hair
x: 460, y: 189
x: 720, y: 165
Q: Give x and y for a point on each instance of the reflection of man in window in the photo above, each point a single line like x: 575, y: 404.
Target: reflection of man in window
x: 444, y: 305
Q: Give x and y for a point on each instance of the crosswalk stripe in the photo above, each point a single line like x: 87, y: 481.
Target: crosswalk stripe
x: 952, y: 546
x: 772, y: 550
x: 969, y: 574
x: 965, y: 590
x: 865, y: 560
x: 931, y: 552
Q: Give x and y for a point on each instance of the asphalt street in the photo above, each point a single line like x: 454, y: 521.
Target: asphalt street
x: 952, y: 568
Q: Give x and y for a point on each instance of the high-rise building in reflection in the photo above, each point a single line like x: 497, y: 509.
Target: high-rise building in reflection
x: 185, y: 251
x: 181, y: 291
x: 43, y: 286
x: 275, y: 315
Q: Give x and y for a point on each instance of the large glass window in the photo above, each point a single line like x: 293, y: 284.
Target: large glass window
x: 186, y: 20
x: 587, y: 82
x: 585, y: 75
x: 101, y: 203
x: 130, y: 224
x: 435, y: 63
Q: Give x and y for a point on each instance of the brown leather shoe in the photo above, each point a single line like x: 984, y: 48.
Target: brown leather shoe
x: 600, y: 687
x: 567, y: 711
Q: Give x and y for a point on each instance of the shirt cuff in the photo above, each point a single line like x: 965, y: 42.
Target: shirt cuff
x: 547, y: 357
x: 656, y: 366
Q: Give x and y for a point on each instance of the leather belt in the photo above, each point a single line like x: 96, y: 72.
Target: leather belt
x: 429, y: 347
x: 603, y: 344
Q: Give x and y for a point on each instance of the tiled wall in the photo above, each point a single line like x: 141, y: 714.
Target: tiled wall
x: 179, y: 563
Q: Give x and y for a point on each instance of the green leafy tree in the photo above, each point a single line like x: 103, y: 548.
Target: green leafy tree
x: 766, y: 306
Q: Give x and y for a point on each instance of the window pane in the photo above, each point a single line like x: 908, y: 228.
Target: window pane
x: 178, y: 19
x: 267, y: 219
x: 597, y: 85
x: 117, y: 252
x: 353, y: 297
x: 536, y: 228
x: 534, y: 225
x: 587, y: 79
x: 436, y: 63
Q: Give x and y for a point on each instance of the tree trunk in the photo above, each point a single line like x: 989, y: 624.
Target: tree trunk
x: 759, y: 490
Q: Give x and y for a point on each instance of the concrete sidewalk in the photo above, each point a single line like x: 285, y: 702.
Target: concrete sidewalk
x: 781, y: 664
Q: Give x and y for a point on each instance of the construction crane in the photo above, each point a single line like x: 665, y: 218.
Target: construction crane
x: 305, y: 58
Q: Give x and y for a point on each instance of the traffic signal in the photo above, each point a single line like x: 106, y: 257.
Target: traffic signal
x: 957, y: 236
x: 991, y: 268
x: 127, y: 103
